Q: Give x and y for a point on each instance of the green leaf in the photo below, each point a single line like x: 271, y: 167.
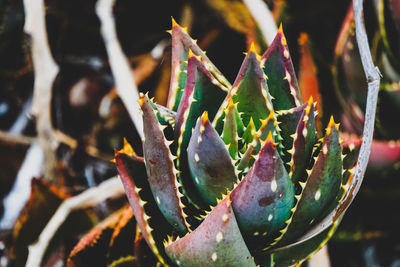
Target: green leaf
x: 278, y: 67
x: 212, y: 169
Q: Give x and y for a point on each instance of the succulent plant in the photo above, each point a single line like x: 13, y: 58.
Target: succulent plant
x: 231, y: 174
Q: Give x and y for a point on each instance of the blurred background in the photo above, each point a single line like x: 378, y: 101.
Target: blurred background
x: 89, y: 119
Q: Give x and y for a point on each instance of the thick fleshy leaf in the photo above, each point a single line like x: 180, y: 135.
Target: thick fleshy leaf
x: 288, y: 122
x: 249, y: 133
x: 92, y: 248
x: 181, y: 44
x: 202, y: 93
x: 263, y: 199
x: 210, y: 164
x: 321, y: 188
x: 216, y: 242
x: 250, y: 91
x: 278, y: 67
x: 304, y: 140
x: 160, y: 169
x: 134, y: 178
x: 164, y: 115
x: 299, y: 253
x: 230, y: 131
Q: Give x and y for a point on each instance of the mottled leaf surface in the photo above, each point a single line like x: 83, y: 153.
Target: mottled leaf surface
x: 160, y: 169
x: 216, y: 242
x: 211, y: 166
x: 263, y: 199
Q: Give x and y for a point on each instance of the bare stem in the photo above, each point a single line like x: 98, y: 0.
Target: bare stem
x: 125, y: 83
x: 45, y: 69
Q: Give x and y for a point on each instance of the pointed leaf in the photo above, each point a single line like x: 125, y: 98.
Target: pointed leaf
x: 263, y: 199
x: 121, y: 244
x: 210, y: 164
x: 278, y: 67
x: 160, y: 169
x: 202, y: 93
x: 229, y: 132
x: 92, y: 247
x: 134, y: 178
x: 181, y: 44
x: 216, y: 242
x: 321, y: 188
x: 305, y: 138
x: 289, y: 120
x: 250, y: 92
x: 299, y: 253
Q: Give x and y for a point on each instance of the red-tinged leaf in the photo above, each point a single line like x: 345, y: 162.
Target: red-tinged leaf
x: 151, y: 222
x: 202, y: 93
x: 161, y: 170
x: 321, y: 188
x: 304, y: 140
x: 384, y: 154
x: 288, y: 122
x: 121, y: 244
x: 348, y: 75
x: 216, y: 242
x: 263, y: 199
x: 278, y: 67
x: 181, y: 44
x: 212, y: 169
x: 92, y: 248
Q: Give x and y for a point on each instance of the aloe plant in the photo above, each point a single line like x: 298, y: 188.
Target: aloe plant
x: 231, y: 174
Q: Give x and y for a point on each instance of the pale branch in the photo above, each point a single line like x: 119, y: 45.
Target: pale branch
x: 263, y: 16
x: 373, y: 78
x: 45, y: 69
x: 18, y: 196
x: 125, y: 83
x: 111, y: 188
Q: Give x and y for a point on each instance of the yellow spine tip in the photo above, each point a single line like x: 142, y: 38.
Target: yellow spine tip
x: 174, y: 23
x: 269, y: 137
x: 280, y: 28
x: 204, y: 117
x: 231, y: 105
x: 310, y: 100
x: 252, y: 48
x: 190, y: 53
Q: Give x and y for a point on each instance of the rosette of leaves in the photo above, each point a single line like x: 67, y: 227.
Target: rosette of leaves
x: 232, y: 174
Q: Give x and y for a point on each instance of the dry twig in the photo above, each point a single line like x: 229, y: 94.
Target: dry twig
x: 45, y: 69
x: 91, y: 197
x: 125, y: 84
